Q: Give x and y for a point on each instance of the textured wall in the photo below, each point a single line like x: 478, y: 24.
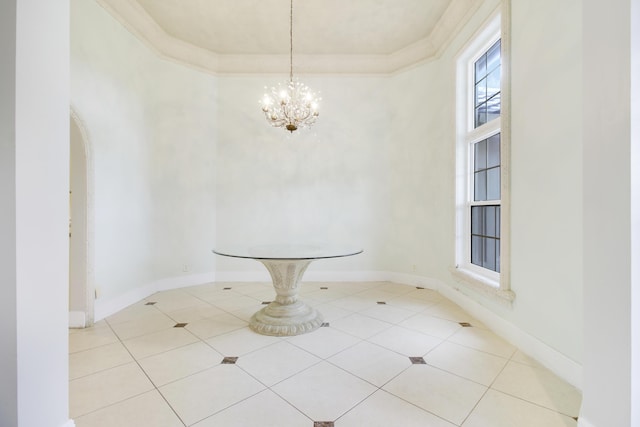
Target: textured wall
x: 151, y: 131
x: 546, y: 179
x: 185, y: 161
x: 324, y: 184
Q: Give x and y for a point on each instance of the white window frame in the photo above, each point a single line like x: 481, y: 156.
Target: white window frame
x: 486, y: 281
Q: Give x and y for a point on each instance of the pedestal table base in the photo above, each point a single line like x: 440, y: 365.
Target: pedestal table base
x: 287, y: 315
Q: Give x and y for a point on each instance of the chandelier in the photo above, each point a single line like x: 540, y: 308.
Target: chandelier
x: 292, y: 105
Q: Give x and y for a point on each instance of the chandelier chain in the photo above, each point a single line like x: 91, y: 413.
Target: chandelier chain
x: 291, y: 42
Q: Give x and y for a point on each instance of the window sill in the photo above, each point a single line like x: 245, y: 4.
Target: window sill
x: 483, y: 285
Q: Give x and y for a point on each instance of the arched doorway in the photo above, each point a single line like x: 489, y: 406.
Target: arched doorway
x: 81, y: 287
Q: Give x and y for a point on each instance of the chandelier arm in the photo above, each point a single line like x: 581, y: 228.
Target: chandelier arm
x: 287, y: 117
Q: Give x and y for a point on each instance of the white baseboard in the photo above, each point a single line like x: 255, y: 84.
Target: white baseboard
x: 243, y: 276
x: 558, y: 363
x: 344, y: 276
x: 309, y: 276
x: 184, y: 281
x: 582, y: 422
x: 77, y: 319
x: 561, y: 365
x: 69, y: 423
x: 106, y: 307
x: 411, y: 279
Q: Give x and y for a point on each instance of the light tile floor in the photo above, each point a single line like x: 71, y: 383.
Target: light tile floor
x: 138, y: 369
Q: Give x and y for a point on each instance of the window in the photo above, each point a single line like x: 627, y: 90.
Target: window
x: 487, y: 73
x: 481, y: 154
x: 485, y: 204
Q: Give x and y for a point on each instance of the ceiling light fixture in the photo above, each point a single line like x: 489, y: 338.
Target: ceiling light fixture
x: 292, y: 105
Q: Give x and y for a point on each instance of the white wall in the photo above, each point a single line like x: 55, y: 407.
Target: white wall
x: 635, y: 211
x: 8, y: 271
x: 611, y: 216
x: 546, y: 190
x: 34, y: 160
x: 328, y: 183
x: 185, y: 161
x: 419, y: 239
x: 151, y: 129
x: 78, y: 239
x: 546, y: 221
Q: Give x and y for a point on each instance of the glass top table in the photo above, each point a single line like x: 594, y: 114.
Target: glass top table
x: 287, y: 315
x: 290, y: 252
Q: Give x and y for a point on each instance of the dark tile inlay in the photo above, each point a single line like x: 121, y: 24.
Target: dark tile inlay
x: 325, y: 325
x: 266, y: 302
x: 323, y: 287
x: 323, y: 424
x: 229, y: 360
x: 382, y: 302
x: 465, y: 324
x: 225, y: 289
x: 150, y: 303
x: 417, y: 360
x: 419, y: 287
x: 180, y: 325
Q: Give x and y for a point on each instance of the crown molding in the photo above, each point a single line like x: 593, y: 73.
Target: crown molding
x: 138, y: 22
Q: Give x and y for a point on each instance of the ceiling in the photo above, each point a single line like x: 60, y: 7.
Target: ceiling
x: 330, y: 36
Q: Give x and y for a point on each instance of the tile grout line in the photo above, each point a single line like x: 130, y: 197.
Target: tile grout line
x: 359, y: 340
x: 490, y: 387
x: 156, y: 388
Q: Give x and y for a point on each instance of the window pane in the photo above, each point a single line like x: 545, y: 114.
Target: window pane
x: 481, y: 68
x: 498, y: 221
x: 493, y: 83
x: 480, y: 155
x: 493, y: 56
x: 490, y: 221
x: 481, y: 92
x: 481, y: 115
x: 477, y: 221
x: 498, y: 256
x: 493, y: 151
x: 493, y: 184
x: 493, y: 107
x: 480, y: 186
x: 489, y: 255
x: 476, y: 250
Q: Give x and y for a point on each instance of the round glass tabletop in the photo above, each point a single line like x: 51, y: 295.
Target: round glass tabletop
x: 292, y: 252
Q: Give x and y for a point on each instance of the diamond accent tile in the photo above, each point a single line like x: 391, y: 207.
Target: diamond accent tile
x: 357, y: 369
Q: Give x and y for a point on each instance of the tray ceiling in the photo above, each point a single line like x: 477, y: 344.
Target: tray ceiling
x: 330, y: 36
